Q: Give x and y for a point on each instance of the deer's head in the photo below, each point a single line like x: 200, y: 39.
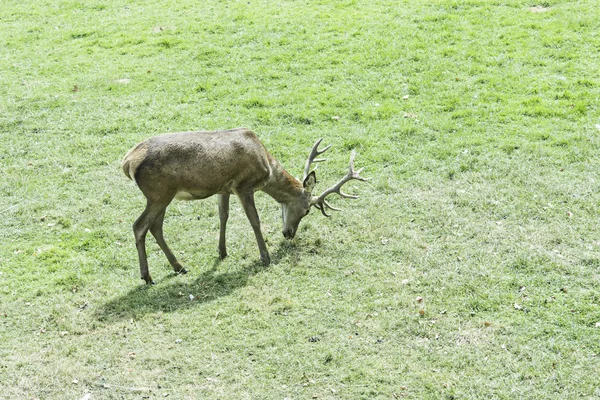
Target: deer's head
x: 294, y: 212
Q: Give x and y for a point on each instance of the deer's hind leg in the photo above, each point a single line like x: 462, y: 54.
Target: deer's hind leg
x: 140, y: 228
x: 157, y: 231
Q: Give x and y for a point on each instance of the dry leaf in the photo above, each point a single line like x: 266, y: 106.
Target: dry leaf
x: 517, y: 306
x: 539, y: 9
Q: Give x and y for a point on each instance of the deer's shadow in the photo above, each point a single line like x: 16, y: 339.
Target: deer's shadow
x: 173, y: 293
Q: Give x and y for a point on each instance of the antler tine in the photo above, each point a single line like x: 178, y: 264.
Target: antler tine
x: 323, y: 205
x: 311, y: 157
x: 320, y: 201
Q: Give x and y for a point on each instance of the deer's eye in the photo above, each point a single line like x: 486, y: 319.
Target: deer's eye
x: 307, y: 211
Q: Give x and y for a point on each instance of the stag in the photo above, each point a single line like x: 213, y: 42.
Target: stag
x: 197, y: 165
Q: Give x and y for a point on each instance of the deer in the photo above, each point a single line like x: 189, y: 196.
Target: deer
x: 197, y: 165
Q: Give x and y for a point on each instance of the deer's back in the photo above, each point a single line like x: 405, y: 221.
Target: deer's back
x: 198, y: 164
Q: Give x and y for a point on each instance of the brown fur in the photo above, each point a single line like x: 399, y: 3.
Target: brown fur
x: 196, y: 165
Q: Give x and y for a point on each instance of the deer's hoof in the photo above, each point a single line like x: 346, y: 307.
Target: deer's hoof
x: 148, y: 280
x: 178, y: 268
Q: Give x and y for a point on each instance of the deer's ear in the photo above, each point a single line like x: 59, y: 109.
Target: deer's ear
x: 310, y: 181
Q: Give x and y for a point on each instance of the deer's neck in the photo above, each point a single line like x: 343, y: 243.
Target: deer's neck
x: 282, y: 186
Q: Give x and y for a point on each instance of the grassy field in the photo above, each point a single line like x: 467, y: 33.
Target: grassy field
x: 468, y: 268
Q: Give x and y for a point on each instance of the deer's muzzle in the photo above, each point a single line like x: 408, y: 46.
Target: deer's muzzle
x: 289, y: 233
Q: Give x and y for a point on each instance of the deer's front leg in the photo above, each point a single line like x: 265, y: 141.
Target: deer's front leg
x: 223, y: 216
x: 247, y: 200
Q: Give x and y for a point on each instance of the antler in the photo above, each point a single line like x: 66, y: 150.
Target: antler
x: 311, y: 158
x: 320, y: 201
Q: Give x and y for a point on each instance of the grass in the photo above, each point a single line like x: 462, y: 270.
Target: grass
x: 469, y: 267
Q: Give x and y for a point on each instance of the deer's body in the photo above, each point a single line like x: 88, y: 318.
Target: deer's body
x: 197, y: 165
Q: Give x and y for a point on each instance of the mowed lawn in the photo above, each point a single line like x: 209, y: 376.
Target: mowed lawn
x: 468, y: 268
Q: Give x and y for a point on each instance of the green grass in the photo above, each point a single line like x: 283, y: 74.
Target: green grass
x: 468, y: 268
